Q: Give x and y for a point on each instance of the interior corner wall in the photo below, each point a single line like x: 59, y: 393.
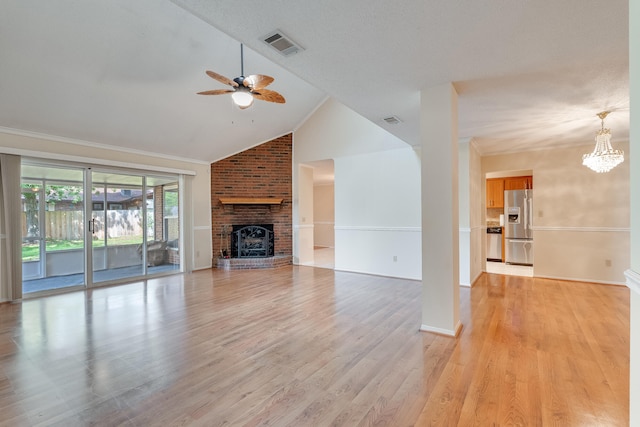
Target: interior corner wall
x: 377, y: 191
x: 580, y: 218
x: 197, y: 238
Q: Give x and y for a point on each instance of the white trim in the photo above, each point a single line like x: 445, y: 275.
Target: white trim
x: 54, y: 138
x: 416, y: 279
x: 585, y: 229
x: 450, y: 333
x: 580, y: 279
x: 476, y: 278
x: 633, y: 280
x: 465, y: 229
x: 94, y: 161
x: 201, y: 227
x: 374, y: 228
x: 303, y: 226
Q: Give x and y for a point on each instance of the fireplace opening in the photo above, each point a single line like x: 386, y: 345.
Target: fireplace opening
x: 252, y: 241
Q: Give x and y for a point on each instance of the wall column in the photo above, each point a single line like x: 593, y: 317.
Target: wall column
x: 633, y: 274
x: 464, y: 217
x: 440, y: 240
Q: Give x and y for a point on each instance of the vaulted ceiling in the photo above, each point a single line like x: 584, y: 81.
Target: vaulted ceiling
x: 529, y: 74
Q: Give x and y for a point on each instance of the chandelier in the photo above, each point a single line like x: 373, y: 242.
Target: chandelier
x: 604, y: 157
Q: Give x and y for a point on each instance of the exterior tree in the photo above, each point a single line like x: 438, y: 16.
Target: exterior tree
x: 54, y: 193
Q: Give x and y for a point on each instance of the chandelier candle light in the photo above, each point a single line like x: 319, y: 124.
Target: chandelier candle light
x: 604, y: 157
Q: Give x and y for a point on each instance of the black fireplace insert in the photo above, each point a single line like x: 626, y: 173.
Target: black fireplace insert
x: 252, y: 241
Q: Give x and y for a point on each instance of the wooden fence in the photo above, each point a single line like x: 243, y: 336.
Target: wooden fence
x: 69, y: 225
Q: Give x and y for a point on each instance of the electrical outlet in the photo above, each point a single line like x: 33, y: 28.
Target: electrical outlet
x: 540, y: 214
x: 395, y: 258
x: 607, y: 262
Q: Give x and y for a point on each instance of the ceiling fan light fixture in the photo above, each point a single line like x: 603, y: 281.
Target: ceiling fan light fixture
x: 604, y: 157
x: 245, y: 89
x: 242, y: 99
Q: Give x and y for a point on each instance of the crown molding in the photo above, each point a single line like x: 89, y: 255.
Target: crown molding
x: 89, y: 144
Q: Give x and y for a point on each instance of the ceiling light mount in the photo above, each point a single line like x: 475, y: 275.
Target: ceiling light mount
x: 604, y: 157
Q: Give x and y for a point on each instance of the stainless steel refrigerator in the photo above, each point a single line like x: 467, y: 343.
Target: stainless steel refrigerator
x: 518, y: 238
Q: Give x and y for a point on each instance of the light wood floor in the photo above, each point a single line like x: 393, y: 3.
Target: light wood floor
x: 302, y: 346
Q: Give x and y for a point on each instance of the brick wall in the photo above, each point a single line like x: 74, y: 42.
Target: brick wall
x: 262, y: 171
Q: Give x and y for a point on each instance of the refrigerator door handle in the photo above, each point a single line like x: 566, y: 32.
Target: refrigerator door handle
x: 526, y: 213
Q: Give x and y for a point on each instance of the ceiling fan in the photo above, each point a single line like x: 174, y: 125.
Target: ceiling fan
x: 245, y: 89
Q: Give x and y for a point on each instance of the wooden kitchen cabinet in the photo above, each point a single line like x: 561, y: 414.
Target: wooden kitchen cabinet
x: 518, y: 183
x: 495, y: 193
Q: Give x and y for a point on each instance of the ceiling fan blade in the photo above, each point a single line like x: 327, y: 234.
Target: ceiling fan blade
x: 268, y: 95
x: 221, y: 79
x: 257, y: 81
x: 216, y: 92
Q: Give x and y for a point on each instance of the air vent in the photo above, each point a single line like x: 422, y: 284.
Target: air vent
x: 281, y: 43
x: 392, y: 120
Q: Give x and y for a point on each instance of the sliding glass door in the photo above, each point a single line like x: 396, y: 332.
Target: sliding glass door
x: 85, y: 226
x: 117, y: 226
x: 53, y: 228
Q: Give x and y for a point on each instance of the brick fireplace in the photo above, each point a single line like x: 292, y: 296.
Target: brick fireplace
x: 250, y: 188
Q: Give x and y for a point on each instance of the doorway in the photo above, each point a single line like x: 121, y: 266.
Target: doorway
x: 322, y: 211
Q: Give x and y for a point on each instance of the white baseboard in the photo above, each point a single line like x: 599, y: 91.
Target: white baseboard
x: 450, y: 333
x: 580, y: 279
x: 633, y: 280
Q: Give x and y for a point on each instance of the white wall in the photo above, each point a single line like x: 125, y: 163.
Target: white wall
x: 334, y: 130
x: 323, y: 215
x: 464, y: 213
x: 633, y: 280
x: 472, y: 231
x: 303, y: 230
x: 377, y: 215
x: 580, y: 219
x: 198, y: 211
x: 377, y: 191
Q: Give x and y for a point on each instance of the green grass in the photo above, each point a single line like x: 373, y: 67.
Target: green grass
x: 31, y: 251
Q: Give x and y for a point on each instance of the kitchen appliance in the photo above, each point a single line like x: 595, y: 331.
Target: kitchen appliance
x: 494, y: 244
x: 518, y: 215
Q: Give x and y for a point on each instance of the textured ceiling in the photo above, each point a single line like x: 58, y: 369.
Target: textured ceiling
x: 529, y: 74
x: 126, y: 74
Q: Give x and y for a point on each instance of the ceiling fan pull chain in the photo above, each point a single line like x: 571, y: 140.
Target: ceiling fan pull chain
x: 241, y: 61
